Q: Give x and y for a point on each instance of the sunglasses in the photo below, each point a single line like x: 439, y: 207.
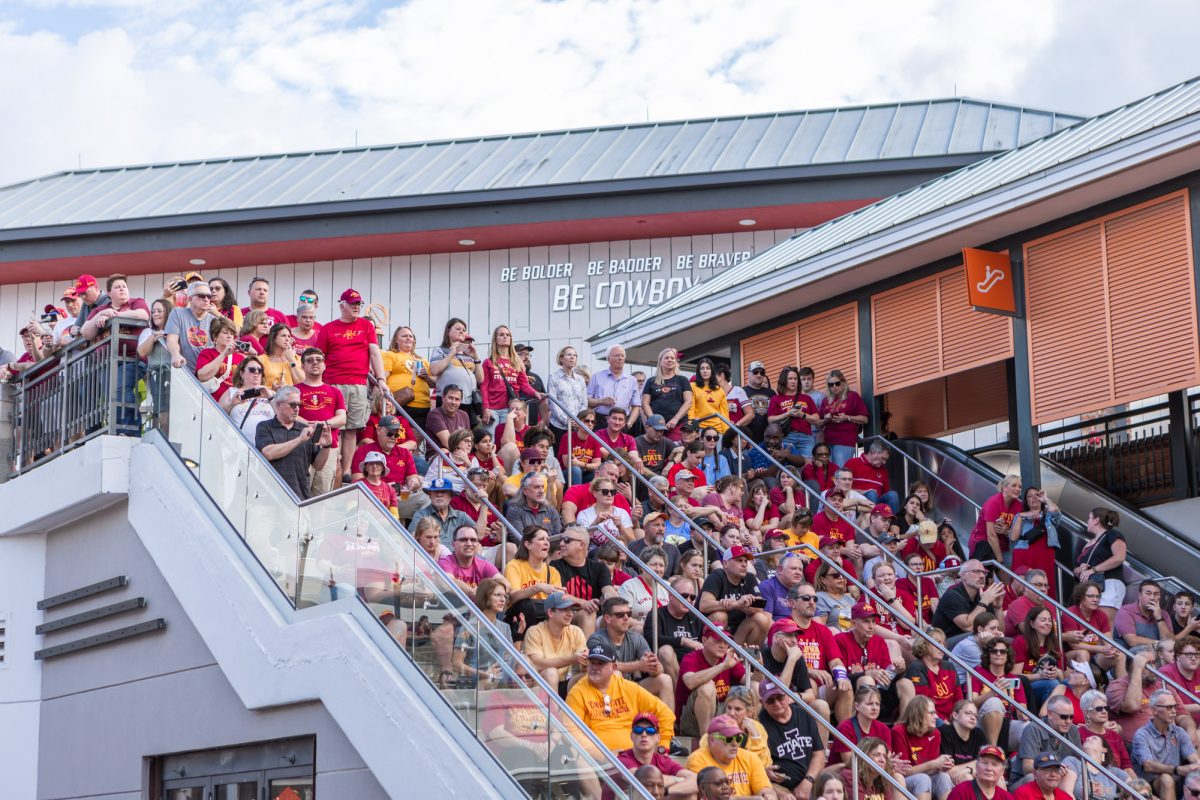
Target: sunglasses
x: 687, y: 596
x: 835, y: 383
x: 254, y: 370
x: 717, y: 737
x: 293, y: 404
x: 758, y: 372
x: 607, y: 492
x: 536, y: 461
x: 778, y: 698
x: 806, y: 598
x: 648, y: 730
x: 620, y: 614
x: 1066, y: 717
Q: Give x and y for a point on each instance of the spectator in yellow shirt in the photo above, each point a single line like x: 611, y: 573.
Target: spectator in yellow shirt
x: 556, y: 648
x: 708, y: 398
x: 746, y: 772
x: 607, y: 702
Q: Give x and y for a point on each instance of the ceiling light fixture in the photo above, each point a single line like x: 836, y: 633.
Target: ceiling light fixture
x: 747, y: 222
x: 197, y: 262
x: 466, y: 242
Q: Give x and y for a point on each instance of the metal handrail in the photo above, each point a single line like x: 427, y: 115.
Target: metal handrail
x: 749, y: 659
x: 455, y: 591
x: 949, y: 655
x: 926, y: 470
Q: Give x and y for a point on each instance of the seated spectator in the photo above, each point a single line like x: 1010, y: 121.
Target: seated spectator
x: 556, y: 648
x: 635, y: 659
x: 215, y: 365
x: 1129, y: 692
x: 833, y: 549
x: 604, y: 518
x: 1185, y: 671
x: 896, y: 613
x: 931, y: 677
x: 693, y: 454
x: 1036, y: 654
x: 475, y: 657
x: 464, y: 566
x: 653, y: 446
x: 745, y: 771
x: 818, y: 474
x: 1096, y: 725
x: 437, y: 496
x: 1101, y: 784
x: 679, y: 628
x: 1163, y: 751
x: 917, y: 741
x: 531, y: 508
x: 987, y: 778
x: 288, y: 443
x: 585, y: 453
x: 716, y: 464
x: 458, y: 455
x: 1036, y: 741
x: 484, y: 454
x: 871, y: 476
x: 646, y: 595
x: 797, y: 520
x: 713, y: 784
x: 926, y: 546
x: 967, y: 599
x: 784, y: 659
x: 705, y: 676
x: 741, y: 708
x: 855, y: 504
x: 759, y: 462
x: 775, y: 590
x: 584, y: 577
x: 863, y: 724
x: 1184, y: 617
x: 821, y: 653
x: 531, y: 579
x: 248, y: 402
x: 581, y: 497
x: 963, y: 741
x: 831, y: 522
x: 864, y: 651
x: 968, y: 653
x: 927, y: 597
x: 614, y: 559
x: 834, y: 602
x: 615, y: 441
x: 870, y: 771
x: 654, y: 528
x: 607, y: 702
x: 648, y: 752
x: 448, y: 417
x: 759, y: 512
x: 1047, y: 776
x: 510, y: 434
x: 1084, y: 644
x: 1143, y: 621
x: 402, y: 470
x: 730, y: 598
x: 373, y: 467
x: 794, y: 741
x: 1001, y: 716
x: 1018, y: 609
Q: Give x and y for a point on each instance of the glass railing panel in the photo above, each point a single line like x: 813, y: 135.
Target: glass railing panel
x: 224, y: 457
x: 331, y: 538
x: 183, y: 420
x: 272, y: 525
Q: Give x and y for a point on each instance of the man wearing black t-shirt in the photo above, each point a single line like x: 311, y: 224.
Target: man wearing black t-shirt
x: 653, y: 446
x: 583, y: 577
x: 759, y: 391
x: 679, y: 631
x: 964, y: 601
x: 730, y: 597
x: 797, y: 749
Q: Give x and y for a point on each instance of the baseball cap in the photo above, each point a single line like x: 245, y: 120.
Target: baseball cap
x: 827, y: 541
x: 193, y: 276
x: 864, y: 609
x: 657, y: 422
x: 530, y: 453
x: 69, y: 293
x: 992, y: 751
x: 950, y: 561
x: 84, y: 282
x: 692, y: 425
x: 374, y: 457
x: 756, y: 365
x: 835, y: 493
x: 775, y: 533
x: 712, y: 633
x: 601, y: 650
x: 737, y: 551
x: 646, y: 716
x: 350, y: 296
x: 1046, y: 760
x: 440, y: 485
x: 653, y: 515
x: 558, y: 600
x: 528, y: 348
x: 785, y: 625
x: 50, y: 308
x: 193, y: 290
x: 927, y: 531
x: 473, y: 471
x: 390, y: 422
x: 723, y: 725
x: 769, y: 689
x: 883, y: 509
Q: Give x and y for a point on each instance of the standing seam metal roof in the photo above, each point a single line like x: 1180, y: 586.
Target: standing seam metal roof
x: 970, y: 181
x: 555, y: 158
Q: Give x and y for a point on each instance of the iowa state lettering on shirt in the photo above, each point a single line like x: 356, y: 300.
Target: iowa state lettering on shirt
x: 618, y: 705
x: 794, y: 747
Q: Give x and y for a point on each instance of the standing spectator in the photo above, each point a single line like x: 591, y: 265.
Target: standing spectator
x: 504, y: 379
x: 188, y: 327
x: 871, y: 476
x: 808, y: 385
x: 1162, y: 750
x: 308, y: 297
x: 224, y: 302
x: 635, y: 659
x: 247, y: 401
x: 1034, y: 536
x: 989, y: 539
x: 120, y: 304
x: 708, y: 398
x: 73, y: 305
x: 288, y: 443
x: 794, y: 741
x: 152, y: 347
x: 569, y: 387
x: 1143, y: 621
x: 608, y: 703
x: 646, y: 752
x: 539, y: 410
x: 744, y: 771
x: 557, y: 648
x: 280, y: 361
x: 260, y: 300
x: 408, y: 376
x: 985, y: 782
x: 216, y: 364
x: 705, y: 677
x: 612, y: 387
x: 795, y: 411
x: 741, y: 413
x: 320, y: 402
x: 88, y: 291
x: 1103, y: 558
x: 966, y: 600
x: 255, y: 327
x: 456, y: 363
x: 843, y: 413
x: 758, y: 394
x: 668, y: 394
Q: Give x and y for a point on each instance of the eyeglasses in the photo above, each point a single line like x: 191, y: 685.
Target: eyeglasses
x: 644, y: 730
x: 1192, y: 792
x: 570, y: 540
x: 388, y: 432
x: 203, y: 296
x: 717, y: 737
x: 620, y: 614
x: 1002, y: 651
x: 607, y: 492
x: 314, y: 360
x: 779, y: 698
x: 1172, y: 706
x: 834, y: 383
x: 468, y: 539
x: 806, y: 598
x: 253, y: 370
x: 1192, y: 654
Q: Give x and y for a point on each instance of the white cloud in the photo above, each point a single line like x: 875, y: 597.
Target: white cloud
x: 181, y: 79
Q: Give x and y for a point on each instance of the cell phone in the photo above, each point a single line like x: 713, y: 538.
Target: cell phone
x: 318, y: 430
x: 248, y: 393
x: 758, y: 602
x: 242, y: 347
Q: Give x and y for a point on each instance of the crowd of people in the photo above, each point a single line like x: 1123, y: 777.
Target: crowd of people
x: 621, y: 527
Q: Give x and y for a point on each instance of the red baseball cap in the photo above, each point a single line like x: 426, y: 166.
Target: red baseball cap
x: 864, y: 609
x: 646, y: 716
x: 83, y: 283
x: 883, y: 509
x: 785, y: 625
x: 737, y: 551
x: 69, y: 293
x: 350, y: 296
x: 828, y: 540
x: 712, y: 632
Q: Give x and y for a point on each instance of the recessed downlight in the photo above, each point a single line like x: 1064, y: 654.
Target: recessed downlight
x: 466, y: 242
x: 747, y: 222
x: 197, y: 262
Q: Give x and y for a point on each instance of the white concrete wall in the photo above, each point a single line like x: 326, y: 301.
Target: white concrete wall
x: 22, y: 568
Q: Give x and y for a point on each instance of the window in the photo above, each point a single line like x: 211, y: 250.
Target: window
x: 283, y: 768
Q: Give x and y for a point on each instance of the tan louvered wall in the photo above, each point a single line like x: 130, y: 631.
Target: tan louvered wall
x: 824, y: 341
x: 1112, y: 310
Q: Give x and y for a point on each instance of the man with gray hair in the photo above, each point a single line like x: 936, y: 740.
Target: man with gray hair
x: 1035, y: 739
x: 1162, y: 751
x: 292, y: 445
x: 614, y: 388
x: 871, y: 475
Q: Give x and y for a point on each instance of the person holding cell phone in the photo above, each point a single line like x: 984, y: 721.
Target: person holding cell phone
x: 248, y: 402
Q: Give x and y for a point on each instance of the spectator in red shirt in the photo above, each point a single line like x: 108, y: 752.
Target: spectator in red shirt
x: 220, y: 360
x: 989, y: 770
x: 646, y: 752
x: 818, y: 473
x: 402, y: 471
x: 830, y: 522
x: 504, y: 378
x: 120, y: 304
x: 1048, y: 773
x: 693, y: 455
x: 260, y: 296
x: 871, y: 477
x: 615, y: 440
x: 373, y: 466
x: 863, y: 724
x: 843, y: 413
x: 320, y: 402
x: 351, y: 355
x: 864, y: 652
x: 705, y: 676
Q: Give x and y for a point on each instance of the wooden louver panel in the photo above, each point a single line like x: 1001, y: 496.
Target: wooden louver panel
x: 830, y: 341
x: 969, y: 338
x: 1112, y: 310
x: 775, y: 348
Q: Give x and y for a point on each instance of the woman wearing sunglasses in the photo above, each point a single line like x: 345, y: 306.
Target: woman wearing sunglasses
x: 843, y: 414
x: 248, y: 402
x: 604, y: 520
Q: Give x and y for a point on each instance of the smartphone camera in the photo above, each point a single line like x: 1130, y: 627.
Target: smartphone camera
x: 242, y: 347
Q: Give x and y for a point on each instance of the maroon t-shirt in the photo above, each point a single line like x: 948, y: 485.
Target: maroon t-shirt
x: 129, y: 347
x: 320, y: 403
x: 277, y: 316
x: 695, y: 661
x: 843, y: 434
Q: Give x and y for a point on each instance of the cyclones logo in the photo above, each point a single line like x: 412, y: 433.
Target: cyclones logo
x: 197, y: 337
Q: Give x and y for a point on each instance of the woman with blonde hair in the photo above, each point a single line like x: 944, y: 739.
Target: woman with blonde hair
x: 668, y: 393
x: 408, y: 377
x: 504, y: 379
x: 916, y: 739
x: 843, y: 414
x: 568, y: 386
x: 255, y: 327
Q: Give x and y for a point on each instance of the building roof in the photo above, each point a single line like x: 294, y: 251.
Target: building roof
x: 526, y: 161
x: 818, y: 251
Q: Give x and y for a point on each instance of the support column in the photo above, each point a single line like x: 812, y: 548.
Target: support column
x: 866, y: 367
x: 1180, y: 426
x: 1023, y: 432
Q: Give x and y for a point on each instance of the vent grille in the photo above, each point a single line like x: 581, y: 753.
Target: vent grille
x: 3, y: 636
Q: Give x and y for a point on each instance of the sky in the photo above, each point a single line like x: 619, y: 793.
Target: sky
x: 91, y: 83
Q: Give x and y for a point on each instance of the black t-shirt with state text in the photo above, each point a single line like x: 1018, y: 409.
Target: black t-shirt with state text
x: 654, y: 456
x: 673, y: 631
x: 791, y: 743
